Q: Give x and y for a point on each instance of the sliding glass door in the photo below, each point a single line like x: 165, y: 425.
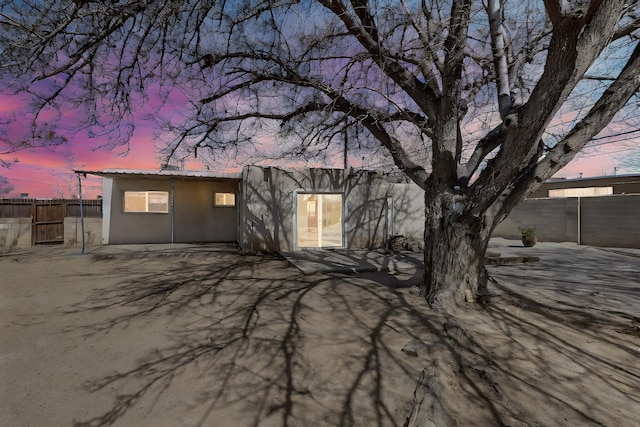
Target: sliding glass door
x: 319, y: 220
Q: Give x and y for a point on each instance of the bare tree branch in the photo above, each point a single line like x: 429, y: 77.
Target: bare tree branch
x: 498, y: 43
x: 429, y: 83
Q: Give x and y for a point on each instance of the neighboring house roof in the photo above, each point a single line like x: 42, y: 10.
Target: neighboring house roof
x: 621, y: 184
x: 155, y: 174
x: 600, y: 179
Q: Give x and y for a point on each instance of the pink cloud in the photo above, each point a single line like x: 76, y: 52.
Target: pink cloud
x: 10, y: 103
x: 43, y: 172
x: 588, y: 166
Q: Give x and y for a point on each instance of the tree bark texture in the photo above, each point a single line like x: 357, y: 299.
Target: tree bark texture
x: 454, y: 252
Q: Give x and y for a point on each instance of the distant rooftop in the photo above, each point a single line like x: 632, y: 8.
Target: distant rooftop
x: 590, y: 178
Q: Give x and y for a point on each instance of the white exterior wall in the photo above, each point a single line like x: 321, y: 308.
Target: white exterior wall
x: 408, y: 210
x: 107, y: 189
x: 268, y: 206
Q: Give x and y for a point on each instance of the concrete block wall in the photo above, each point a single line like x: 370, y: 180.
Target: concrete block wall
x: 15, y: 233
x: 608, y: 221
x: 73, y: 231
x: 555, y: 219
x: 612, y: 221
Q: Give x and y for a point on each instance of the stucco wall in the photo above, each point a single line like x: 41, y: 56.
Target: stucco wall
x: 195, y: 218
x: 408, y: 210
x: 73, y: 231
x: 269, y: 206
x: 15, y: 233
x: 137, y: 227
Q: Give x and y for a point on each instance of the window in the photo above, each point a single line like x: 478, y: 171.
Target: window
x: 224, y: 199
x: 146, y: 201
x: 319, y: 220
x: 581, y: 192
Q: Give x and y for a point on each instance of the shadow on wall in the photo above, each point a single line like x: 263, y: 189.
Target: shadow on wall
x: 73, y: 231
x: 15, y: 233
x: 366, y: 219
x: 268, y: 218
x: 408, y: 211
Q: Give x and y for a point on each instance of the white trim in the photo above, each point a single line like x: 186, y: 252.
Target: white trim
x: 107, y: 194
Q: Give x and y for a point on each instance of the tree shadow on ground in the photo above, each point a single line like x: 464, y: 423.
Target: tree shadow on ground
x: 260, y: 343
x: 255, y: 342
x: 554, y: 340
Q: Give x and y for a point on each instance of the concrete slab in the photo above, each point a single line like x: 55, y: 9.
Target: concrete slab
x: 352, y: 261
x: 605, y: 281
x: 164, y: 247
x: 503, y: 252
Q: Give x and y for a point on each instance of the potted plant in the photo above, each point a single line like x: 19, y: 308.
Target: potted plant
x: 528, y: 236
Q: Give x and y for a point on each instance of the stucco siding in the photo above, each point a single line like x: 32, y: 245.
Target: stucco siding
x: 73, y: 231
x: 129, y: 227
x: 196, y: 217
x: 408, y: 210
x: 15, y: 233
x: 268, y: 211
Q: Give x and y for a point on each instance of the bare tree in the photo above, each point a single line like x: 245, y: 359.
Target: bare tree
x: 459, y: 92
x: 5, y: 186
x: 628, y: 158
x: 36, y: 136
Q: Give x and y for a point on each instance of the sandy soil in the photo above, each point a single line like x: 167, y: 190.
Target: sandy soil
x: 201, y: 336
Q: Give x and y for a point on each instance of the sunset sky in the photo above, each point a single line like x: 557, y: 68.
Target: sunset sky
x: 47, y: 173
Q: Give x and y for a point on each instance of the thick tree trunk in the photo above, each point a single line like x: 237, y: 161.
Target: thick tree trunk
x: 455, y: 245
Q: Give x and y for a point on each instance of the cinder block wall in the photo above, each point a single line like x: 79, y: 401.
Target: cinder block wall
x: 612, y: 221
x: 73, y: 231
x: 15, y: 233
x: 555, y: 219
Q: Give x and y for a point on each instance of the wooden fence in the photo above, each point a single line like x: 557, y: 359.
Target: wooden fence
x: 25, y: 208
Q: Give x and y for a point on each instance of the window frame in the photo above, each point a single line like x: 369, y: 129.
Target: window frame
x: 568, y: 192
x: 147, y: 204
x: 226, y: 193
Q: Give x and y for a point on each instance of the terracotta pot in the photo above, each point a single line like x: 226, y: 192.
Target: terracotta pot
x: 529, y: 241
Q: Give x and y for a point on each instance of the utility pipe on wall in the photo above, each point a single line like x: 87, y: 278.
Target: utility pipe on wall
x: 81, y: 210
x: 579, y: 225
x: 171, y: 207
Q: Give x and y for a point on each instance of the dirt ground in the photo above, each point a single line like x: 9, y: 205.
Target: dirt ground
x: 196, y: 335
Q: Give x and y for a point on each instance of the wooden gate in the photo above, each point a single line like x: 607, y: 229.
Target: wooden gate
x: 48, y: 222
